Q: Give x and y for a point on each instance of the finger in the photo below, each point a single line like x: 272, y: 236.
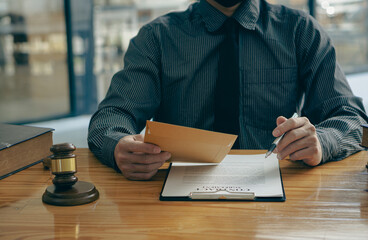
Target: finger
x: 307, y: 155
x: 134, y: 143
x: 280, y: 119
x: 288, y: 125
x: 134, y: 158
x: 292, y: 136
x: 293, y: 149
x: 276, y: 132
x: 305, y: 131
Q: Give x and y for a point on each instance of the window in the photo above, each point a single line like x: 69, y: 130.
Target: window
x: 346, y: 21
x: 33, y: 66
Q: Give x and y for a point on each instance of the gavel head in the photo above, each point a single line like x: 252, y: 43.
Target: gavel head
x: 63, y: 165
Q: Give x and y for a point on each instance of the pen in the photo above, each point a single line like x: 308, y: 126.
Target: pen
x: 277, y: 140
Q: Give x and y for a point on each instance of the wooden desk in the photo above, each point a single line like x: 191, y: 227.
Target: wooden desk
x: 326, y: 202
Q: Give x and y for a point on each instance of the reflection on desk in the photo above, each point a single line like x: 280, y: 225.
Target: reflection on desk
x: 325, y: 202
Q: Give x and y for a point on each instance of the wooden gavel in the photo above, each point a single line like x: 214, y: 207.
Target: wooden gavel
x: 66, y: 189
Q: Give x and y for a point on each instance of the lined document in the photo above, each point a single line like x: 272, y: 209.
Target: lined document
x: 235, y: 174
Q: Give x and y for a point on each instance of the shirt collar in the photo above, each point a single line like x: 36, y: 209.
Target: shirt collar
x: 247, y: 15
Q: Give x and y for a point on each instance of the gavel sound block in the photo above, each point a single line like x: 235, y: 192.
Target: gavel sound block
x: 67, y: 190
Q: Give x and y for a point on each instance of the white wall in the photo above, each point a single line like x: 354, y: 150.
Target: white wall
x: 359, y: 85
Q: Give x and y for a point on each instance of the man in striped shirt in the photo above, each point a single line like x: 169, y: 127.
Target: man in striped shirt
x: 287, y: 64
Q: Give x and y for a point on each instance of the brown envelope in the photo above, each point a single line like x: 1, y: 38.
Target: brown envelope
x: 189, y: 144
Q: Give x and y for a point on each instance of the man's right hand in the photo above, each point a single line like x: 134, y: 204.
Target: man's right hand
x: 138, y: 160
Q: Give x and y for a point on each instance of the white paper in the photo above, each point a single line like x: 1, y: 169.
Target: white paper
x: 236, y: 173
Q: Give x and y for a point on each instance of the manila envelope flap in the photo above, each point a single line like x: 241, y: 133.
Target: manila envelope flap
x: 189, y: 144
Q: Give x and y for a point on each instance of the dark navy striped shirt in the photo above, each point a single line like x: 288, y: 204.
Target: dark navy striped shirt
x: 287, y: 64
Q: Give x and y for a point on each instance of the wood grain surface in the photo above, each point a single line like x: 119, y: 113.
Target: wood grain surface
x: 325, y: 202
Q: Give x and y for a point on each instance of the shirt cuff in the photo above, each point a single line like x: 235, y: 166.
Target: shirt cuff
x: 108, y: 149
x: 329, y: 145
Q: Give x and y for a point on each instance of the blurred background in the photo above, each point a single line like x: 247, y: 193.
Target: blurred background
x: 57, y: 57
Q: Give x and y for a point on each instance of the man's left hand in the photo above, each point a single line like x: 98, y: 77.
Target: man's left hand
x: 300, y: 141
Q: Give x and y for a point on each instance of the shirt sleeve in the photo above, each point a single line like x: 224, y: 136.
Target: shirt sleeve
x: 328, y: 100
x: 132, y: 98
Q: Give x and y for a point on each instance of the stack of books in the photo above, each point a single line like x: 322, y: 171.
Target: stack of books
x: 365, y: 135
x: 22, y: 147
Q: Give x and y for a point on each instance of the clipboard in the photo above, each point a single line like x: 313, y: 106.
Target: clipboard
x: 218, y: 193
